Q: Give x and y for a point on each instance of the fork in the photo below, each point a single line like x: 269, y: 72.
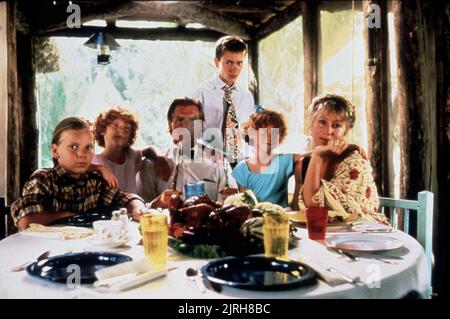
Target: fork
x: 354, y: 280
x: 23, y: 266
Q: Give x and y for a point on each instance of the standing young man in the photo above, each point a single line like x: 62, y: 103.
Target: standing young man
x: 225, y: 104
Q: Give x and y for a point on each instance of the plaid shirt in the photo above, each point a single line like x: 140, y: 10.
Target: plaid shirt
x: 51, y: 190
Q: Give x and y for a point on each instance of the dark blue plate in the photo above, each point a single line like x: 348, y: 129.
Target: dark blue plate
x: 83, y: 220
x: 57, y: 268
x: 258, y: 273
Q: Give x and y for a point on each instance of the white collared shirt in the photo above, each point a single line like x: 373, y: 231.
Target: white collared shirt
x: 204, y: 167
x: 211, y: 94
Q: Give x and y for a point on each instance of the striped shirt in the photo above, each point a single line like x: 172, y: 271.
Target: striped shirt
x: 51, y: 190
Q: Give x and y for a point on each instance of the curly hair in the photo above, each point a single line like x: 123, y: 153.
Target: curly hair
x: 334, y: 103
x: 107, y: 117
x: 266, y: 118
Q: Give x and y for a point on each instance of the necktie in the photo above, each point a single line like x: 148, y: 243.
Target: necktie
x: 231, y: 126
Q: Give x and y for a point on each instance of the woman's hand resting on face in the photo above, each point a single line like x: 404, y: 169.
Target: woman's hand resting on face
x: 332, y: 149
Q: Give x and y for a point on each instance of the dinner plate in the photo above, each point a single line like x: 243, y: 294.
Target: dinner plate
x: 83, y: 220
x: 94, y: 240
x: 63, y: 269
x: 258, y: 273
x: 363, y: 242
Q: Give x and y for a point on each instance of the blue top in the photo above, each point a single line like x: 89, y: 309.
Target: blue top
x: 271, y: 185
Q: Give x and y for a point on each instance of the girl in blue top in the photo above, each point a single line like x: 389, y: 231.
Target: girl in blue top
x: 266, y: 173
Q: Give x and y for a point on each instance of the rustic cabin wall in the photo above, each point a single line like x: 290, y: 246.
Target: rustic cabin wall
x: 416, y: 60
x: 29, y: 135
x: 442, y: 27
x: 421, y: 86
x: 13, y: 153
x: 378, y: 99
x: 3, y: 95
x: 311, y: 54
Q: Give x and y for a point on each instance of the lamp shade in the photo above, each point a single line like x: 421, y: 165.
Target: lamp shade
x: 102, y: 39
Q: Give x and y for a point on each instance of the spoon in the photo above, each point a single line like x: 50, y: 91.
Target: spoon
x: 23, y: 266
x: 193, y: 275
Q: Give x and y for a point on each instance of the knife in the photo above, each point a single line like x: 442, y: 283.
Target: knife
x: 348, y: 255
x: 178, y: 161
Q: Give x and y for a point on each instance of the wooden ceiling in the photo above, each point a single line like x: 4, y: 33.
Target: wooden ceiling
x: 250, y: 19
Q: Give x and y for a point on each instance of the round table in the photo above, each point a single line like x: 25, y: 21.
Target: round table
x: 380, y: 279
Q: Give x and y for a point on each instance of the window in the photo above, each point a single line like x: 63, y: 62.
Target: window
x: 144, y: 76
x: 343, y: 63
x: 281, y: 80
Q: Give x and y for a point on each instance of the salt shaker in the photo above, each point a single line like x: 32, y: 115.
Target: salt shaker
x: 124, y: 218
x: 115, y: 215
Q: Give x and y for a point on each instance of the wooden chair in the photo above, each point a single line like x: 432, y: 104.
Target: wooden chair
x: 7, y: 226
x: 424, y: 222
x: 4, y: 212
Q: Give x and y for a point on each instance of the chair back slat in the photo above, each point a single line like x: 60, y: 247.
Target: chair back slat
x: 424, y: 226
x: 394, y: 217
x: 406, y: 221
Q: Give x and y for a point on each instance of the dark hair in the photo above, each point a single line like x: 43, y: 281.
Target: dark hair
x: 266, y: 118
x: 229, y: 43
x: 107, y: 117
x: 186, y: 101
x: 69, y: 123
x: 334, y: 103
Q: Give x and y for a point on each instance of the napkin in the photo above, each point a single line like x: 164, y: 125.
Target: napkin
x: 66, y: 232
x: 128, y: 275
x: 319, y: 258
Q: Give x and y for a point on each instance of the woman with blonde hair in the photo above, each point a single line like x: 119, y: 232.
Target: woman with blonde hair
x: 335, y: 174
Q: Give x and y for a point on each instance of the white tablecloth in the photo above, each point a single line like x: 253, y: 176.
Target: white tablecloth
x: 395, y: 280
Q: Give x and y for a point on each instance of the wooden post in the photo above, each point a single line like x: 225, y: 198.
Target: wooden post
x: 311, y: 54
x: 3, y: 95
x: 13, y: 153
x: 28, y: 130
x: 253, y: 69
x: 416, y: 51
x: 378, y: 99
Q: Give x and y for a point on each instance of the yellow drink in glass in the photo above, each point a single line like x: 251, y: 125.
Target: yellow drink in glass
x: 155, y: 236
x: 276, y: 235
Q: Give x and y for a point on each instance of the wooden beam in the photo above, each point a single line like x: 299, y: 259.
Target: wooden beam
x: 380, y: 119
x: 3, y: 97
x: 177, y: 34
x: 311, y: 55
x: 282, y: 19
x: 184, y: 10
x: 107, y: 11
x: 195, y: 12
x: 337, y: 6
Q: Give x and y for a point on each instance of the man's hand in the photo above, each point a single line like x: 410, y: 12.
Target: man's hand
x: 136, y: 209
x: 162, y: 168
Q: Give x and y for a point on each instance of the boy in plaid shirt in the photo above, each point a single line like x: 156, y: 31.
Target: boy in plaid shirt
x: 68, y: 188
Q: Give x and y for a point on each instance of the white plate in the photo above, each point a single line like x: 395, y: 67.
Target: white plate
x: 109, y: 244
x: 363, y: 242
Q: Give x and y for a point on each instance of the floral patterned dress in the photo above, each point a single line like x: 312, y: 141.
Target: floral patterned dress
x: 353, y: 187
